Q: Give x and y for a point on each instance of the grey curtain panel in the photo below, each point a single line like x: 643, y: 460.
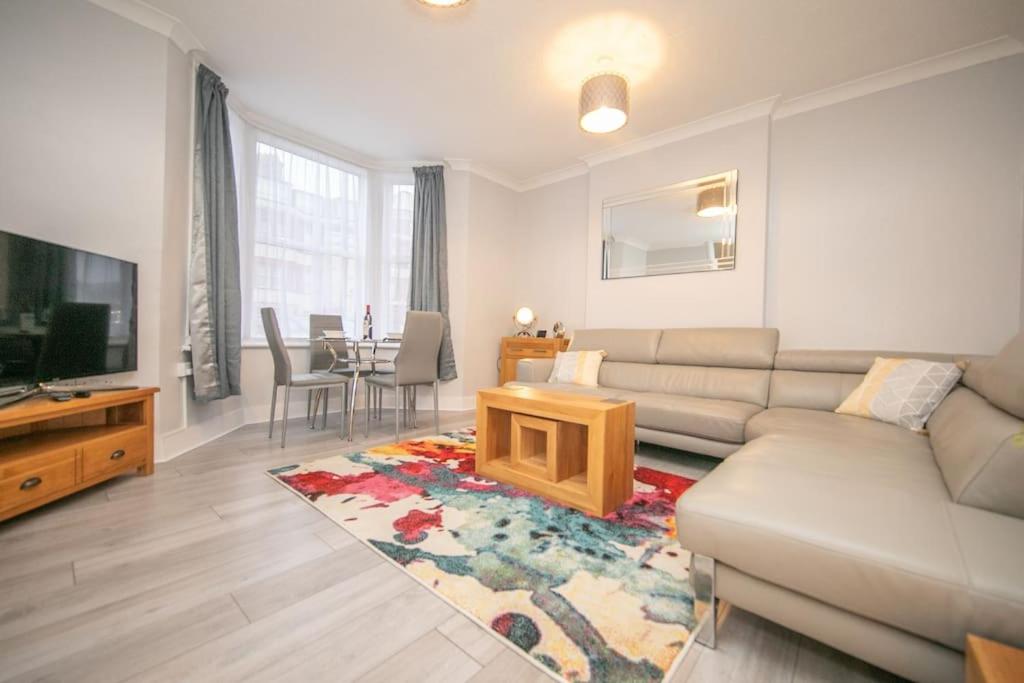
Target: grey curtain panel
x: 215, y: 303
x: 428, y: 286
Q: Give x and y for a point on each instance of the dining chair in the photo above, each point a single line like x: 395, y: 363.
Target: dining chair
x: 283, y: 376
x: 415, y: 364
x: 321, y: 359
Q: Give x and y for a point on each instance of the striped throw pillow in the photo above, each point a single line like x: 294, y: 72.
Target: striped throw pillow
x: 577, y: 367
x: 901, y: 391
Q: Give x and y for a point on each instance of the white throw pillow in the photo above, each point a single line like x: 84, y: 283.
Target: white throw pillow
x: 902, y: 391
x: 577, y: 367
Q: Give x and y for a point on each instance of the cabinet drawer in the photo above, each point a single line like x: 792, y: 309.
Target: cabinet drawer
x: 530, y: 351
x: 121, y: 451
x: 45, y: 478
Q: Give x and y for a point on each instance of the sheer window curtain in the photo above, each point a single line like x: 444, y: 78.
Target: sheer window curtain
x: 320, y: 235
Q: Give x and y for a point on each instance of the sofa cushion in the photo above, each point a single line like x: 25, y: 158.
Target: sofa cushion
x: 869, y: 532
x: 1003, y: 382
x: 731, y: 384
x: 723, y: 347
x: 856, y: 362
x: 869, y: 435
x: 707, y: 418
x: 577, y: 367
x: 812, y: 390
x: 626, y: 346
x: 980, y: 450
x: 902, y: 391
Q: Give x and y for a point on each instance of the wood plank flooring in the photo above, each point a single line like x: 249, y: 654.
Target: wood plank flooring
x: 208, y: 570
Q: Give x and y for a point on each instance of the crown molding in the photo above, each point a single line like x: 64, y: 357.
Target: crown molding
x: 155, y: 20
x: 552, y: 177
x: 495, y: 176
x: 313, y: 141
x: 731, y: 117
x: 915, y: 71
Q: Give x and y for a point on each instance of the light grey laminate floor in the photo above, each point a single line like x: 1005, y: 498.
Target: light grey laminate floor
x: 208, y: 570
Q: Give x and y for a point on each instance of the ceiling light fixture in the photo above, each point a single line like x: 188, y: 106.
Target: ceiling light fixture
x: 711, y: 202
x: 604, y: 103
x: 444, y: 3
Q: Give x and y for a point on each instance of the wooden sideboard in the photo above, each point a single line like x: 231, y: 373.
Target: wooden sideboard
x: 50, y: 449
x: 513, y: 349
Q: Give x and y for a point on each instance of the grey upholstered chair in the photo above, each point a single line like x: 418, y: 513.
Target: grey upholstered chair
x: 416, y: 362
x: 283, y: 376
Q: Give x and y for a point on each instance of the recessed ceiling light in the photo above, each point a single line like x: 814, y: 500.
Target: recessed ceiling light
x: 604, y: 103
x: 444, y: 3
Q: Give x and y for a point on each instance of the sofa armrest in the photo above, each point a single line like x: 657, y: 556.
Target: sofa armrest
x: 534, y: 369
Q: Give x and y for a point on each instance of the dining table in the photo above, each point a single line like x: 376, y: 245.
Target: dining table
x: 363, y: 360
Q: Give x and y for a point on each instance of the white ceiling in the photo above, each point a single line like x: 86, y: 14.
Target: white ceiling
x: 496, y: 81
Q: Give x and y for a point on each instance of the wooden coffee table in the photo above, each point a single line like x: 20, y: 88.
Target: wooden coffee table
x: 571, y: 448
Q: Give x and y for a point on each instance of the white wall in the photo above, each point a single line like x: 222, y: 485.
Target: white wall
x: 173, y: 277
x: 82, y: 129
x: 552, y: 228
x: 716, y: 298
x: 493, y: 258
x: 896, y: 217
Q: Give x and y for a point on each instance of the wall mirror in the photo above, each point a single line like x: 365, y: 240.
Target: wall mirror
x: 683, y: 228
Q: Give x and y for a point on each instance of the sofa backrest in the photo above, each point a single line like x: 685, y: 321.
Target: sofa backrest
x: 977, y: 435
x: 721, y: 363
x: 821, y: 380
x: 625, y: 346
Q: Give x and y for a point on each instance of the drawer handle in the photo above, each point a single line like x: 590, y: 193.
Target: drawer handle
x: 31, y: 483
x: 118, y: 454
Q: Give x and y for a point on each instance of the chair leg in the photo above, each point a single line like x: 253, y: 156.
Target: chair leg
x: 369, y: 390
x: 316, y: 408
x: 284, y: 414
x: 327, y: 392
x: 397, y: 411
x: 273, y: 405
x: 412, y: 407
x: 352, y: 409
x: 437, y: 419
x: 344, y: 401
x: 309, y: 403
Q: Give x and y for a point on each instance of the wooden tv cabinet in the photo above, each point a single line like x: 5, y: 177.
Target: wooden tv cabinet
x: 50, y: 449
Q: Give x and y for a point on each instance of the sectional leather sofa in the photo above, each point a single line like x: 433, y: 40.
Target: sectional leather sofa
x: 882, y: 542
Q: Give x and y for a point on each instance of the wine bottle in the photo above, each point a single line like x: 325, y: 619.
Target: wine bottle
x: 368, y: 324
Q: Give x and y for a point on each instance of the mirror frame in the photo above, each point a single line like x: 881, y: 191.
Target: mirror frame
x: 732, y: 178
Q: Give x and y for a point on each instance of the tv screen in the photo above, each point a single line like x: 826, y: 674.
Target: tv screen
x: 64, y: 313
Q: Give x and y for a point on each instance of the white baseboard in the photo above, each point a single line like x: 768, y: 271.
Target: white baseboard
x: 184, y: 439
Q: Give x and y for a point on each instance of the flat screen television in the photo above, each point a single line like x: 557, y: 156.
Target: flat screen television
x: 64, y: 313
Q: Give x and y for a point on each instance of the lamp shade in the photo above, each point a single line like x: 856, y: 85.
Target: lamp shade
x: 444, y: 3
x: 711, y: 202
x: 604, y: 103
x: 525, y: 316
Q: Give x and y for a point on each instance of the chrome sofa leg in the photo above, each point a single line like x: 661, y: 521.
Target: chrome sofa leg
x: 702, y: 579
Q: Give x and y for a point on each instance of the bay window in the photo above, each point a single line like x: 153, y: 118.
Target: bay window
x: 319, y: 235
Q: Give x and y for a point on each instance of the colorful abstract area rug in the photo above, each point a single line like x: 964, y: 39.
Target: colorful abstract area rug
x: 585, y: 598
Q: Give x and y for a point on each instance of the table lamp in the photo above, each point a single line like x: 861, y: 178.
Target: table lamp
x: 524, y: 319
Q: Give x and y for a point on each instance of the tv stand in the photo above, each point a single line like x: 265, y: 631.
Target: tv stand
x: 49, y: 450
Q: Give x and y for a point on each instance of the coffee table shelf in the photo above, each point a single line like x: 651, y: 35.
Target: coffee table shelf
x: 572, y: 448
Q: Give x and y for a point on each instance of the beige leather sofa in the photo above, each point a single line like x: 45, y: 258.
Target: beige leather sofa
x: 885, y: 543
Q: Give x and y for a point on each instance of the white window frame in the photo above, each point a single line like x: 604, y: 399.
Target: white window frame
x: 374, y: 187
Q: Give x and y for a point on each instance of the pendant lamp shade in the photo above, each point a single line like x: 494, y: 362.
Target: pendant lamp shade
x: 711, y: 202
x: 604, y: 103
